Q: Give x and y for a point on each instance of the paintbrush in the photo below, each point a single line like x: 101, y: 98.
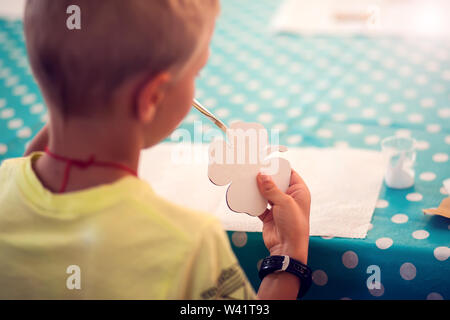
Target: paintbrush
x: 210, y: 115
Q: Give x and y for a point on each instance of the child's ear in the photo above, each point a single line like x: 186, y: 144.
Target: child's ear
x: 150, y: 95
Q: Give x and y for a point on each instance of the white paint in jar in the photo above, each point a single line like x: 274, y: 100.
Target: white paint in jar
x: 401, y: 152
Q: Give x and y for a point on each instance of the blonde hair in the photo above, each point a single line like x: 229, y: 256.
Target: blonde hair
x: 118, y: 40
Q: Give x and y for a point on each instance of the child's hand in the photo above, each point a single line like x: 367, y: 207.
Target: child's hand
x: 286, y: 223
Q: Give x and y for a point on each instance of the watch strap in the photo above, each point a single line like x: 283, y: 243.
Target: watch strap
x: 285, y: 263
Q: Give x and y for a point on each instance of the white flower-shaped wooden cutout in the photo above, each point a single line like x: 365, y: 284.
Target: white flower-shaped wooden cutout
x: 238, y: 161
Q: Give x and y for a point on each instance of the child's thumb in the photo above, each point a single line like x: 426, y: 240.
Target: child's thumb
x: 269, y: 190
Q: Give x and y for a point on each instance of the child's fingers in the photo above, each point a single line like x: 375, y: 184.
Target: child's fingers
x: 295, y: 178
x: 270, y: 191
x: 295, y: 189
x: 300, y: 193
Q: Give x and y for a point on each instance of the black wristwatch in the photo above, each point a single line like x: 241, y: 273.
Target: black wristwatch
x: 285, y: 263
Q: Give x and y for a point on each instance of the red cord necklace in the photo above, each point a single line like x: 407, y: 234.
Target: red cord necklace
x: 84, y: 165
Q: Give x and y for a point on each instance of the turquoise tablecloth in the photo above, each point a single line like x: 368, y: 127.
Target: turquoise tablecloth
x: 319, y: 91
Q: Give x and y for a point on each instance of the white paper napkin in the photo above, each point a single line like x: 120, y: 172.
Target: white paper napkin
x: 371, y: 17
x: 344, y: 184
x: 12, y: 9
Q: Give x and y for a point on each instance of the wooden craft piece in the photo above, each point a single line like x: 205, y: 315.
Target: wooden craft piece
x: 442, y: 210
x: 238, y: 161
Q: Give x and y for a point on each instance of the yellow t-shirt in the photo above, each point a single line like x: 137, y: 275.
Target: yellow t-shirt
x: 115, y: 241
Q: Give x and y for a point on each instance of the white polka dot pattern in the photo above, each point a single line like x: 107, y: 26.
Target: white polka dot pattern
x: 315, y: 92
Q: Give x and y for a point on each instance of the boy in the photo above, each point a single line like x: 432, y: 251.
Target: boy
x: 75, y: 221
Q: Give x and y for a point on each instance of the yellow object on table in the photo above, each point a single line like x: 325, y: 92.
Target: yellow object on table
x: 442, y: 210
